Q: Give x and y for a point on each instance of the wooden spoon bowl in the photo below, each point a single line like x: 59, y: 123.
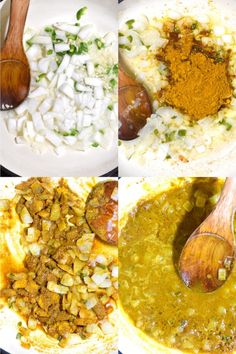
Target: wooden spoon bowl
x: 15, y: 76
x: 204, y: 263
x: 14, y: 66
x: 134, y: 106
x: 207, y: 257
x: 102, y: 211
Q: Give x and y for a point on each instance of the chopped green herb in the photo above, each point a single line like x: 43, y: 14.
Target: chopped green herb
x: 40, y: 77
x: 72, y: 49
x: 124, y: 46
x: 95, y: 144
x: 173, y: 117
x: 61, y: 54
x: 219, y: 57
x: 96, y: 65
x: 176, y: 29
x: 58, y: 40
x: 29, y: 42
x: 226, y: 338
x: 75, y: 86
x: 18, y: 336
x: 81, y: 12
x: 110, y: 107
x: 83, y: 48
x: 156, y: 132
x: 58, y: 61
x: 119, y: 143
x: 109, y: 69
x: 19, y: 324
x: 71, y: 36
x: 168, y: 157
x: 194, y: 26
x: 99, y: 43
x: 219, y: 60
x: 182, y: 132
x: 53, y: 36
x: 49, y: 52
x: 113, y: 83
x: 130, y: 23
x: 72, y: 132
x: 227, y: 125
x: 101, y: 131
x: 115, y: 69
x: 100, y: 265
x: 130, y: 38
x: 121, y: 34
x: 169, y: 136
x: 48, y: 29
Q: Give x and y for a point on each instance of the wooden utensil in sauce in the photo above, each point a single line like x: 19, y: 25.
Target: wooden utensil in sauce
x: 207, y: 257
x: 14, y: 66
x: 102, y: 211
x: 134, y: 105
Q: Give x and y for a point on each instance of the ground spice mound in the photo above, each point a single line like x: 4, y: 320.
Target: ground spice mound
x: 199, y: 83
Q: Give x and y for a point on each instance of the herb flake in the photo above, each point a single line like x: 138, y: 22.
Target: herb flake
x: 81, y: 12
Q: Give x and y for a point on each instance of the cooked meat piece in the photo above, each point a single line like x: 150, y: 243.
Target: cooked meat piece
x: 62, y: 256
x: 32, y: 287
x: 42, y: 274
x: 52, y: 277
x: 100, y: 310
x: 48, y: 298
x: 83, y: 321
x: 102, y: 211
x: 22, y: 292
x: 20, y: 284
x: 7, y: 293
x: 31, y: 262
x: 64, y: 316
x: 61, y: 329
x: 38, y: 312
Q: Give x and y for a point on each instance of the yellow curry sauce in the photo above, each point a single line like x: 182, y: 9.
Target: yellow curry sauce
x: 151, y: 291
x: 199, y: 83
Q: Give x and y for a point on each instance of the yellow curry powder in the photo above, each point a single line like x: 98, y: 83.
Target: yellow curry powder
x: 199, y: 83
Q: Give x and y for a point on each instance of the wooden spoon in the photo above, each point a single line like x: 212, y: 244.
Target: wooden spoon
x: 134, y: 105
x: 102, y: 211
x: 207, y: 257
x: 14, y: 66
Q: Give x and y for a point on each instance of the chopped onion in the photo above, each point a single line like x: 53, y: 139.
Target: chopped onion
x: 106, y: 327
x: 66, y: 107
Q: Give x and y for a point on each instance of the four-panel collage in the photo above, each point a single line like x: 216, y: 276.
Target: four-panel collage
x: 117, y: 176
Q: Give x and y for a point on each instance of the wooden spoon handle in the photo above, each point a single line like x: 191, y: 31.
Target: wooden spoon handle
x: 13, y: 46
x: 221, y: 220
x: 125, y: 76
x: 124, y: 79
